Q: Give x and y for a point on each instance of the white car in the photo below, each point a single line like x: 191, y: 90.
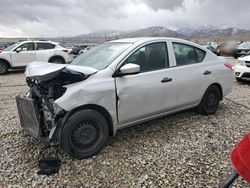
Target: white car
x: 21, y: 54
x: 242, y: 68
x: 119, y: 84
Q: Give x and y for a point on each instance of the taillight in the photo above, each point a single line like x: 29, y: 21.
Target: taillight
x: 228, y: 65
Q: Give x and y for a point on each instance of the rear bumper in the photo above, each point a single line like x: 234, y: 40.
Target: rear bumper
x: 29, y: 116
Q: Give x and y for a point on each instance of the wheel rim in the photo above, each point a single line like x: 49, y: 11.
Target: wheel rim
x: 3, y: 68
x: 211, y: 100
x: 85, y: 134
x: 57, y: 61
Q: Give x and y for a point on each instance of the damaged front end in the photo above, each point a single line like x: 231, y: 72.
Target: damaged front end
x: 38, y: 113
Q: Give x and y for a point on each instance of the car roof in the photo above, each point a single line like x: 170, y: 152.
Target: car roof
x: 145, y: 39
x: 41, y: 41
x: 142, y: 40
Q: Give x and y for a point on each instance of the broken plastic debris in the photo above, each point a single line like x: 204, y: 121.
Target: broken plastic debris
x: 49, y: 166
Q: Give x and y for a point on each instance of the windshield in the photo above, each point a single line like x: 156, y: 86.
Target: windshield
x: 101, y: 56
x: 9, y: 48
x: 244, y: 45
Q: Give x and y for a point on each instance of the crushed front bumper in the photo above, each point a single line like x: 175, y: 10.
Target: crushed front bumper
x: 29, y: 116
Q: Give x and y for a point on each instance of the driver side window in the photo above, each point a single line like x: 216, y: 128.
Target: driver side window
x: 27, y: 47
x: 150, y: 57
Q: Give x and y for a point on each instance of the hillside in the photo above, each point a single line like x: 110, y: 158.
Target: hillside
x: 201, y: 35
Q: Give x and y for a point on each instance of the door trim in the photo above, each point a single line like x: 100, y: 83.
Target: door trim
x: 120, y: 126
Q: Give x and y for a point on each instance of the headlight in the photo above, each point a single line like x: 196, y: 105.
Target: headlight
x: 240, y: 62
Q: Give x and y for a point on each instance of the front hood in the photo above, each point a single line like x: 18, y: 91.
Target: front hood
x: 45, y: 71
x: 245, y: 58
x: 5, y: 52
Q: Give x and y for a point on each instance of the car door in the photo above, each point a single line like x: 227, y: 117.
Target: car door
x: 150, y: 92
x: 44, y: 51
x: 192, y: 75
x: 23, y: 55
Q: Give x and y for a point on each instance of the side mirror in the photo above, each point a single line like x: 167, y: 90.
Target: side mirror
x: 18, y: 50
x: 129, y: 68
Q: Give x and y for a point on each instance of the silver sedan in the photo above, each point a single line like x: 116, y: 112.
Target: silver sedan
x: 118, y: 84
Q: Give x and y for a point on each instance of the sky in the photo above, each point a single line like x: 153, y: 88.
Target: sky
x: 50, y: 18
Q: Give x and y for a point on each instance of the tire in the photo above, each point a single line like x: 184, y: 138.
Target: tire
x: 210, y: 101
x: 238, y: 79
x: 57, y: 60
x: 4, y: 68
x: 84, y: 134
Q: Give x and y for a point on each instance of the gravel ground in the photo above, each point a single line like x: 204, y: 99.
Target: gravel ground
x: 181, y: 150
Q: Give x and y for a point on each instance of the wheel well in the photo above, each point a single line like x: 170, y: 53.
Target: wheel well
x: 220, y: 89
x: 8, y: 63
x: 99, y: 109
x: 56, y: 56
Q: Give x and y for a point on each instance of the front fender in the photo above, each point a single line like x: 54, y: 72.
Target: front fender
x: 100, y: 92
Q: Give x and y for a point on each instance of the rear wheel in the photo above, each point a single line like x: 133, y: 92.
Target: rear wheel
x: 84, y: 134
x: 57, y: 60
x: 3, y: 68
x: 210, y: 101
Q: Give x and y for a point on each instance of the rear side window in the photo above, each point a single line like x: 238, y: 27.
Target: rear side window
x: 200, y: 54
x: 187, y: 54
x: 44, y: 46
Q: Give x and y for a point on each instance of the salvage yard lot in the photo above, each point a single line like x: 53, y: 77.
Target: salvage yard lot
x: 181, y: 150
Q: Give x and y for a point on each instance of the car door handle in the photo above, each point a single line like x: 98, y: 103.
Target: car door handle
x: 166, y: 79
x: 207, y: 72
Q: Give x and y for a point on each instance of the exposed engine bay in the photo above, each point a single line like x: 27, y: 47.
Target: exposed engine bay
x: 38, y: 102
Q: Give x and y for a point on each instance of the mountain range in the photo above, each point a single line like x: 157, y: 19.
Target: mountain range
x: 158, y: 31
x: 207, y: 31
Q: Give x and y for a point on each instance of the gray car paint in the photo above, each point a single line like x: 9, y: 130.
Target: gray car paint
x: 45, y: 71
x: 136, y: 98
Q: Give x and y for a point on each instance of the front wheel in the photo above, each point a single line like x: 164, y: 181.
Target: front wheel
x: 84, y: 134
x: 210, y: 101
x: 3, y: 68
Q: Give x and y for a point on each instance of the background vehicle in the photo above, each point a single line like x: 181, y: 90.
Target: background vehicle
x: 1, y: 48
x: 242, y: 68
x: 211, y: 48
x: 119, y: 84
x: 242, y: 50
x: 20, y: 54
x: 240, y: 158
x: 76, y: 50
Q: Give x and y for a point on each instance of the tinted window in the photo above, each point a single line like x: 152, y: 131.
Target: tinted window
x: 186, y: 54
x: 150, y: 57
x: 44, y: 46
x: 200, y: 54
x: 27, y: 46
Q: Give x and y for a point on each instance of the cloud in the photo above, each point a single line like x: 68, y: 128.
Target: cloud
x: 163, y: 4
x: 73, y: 17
